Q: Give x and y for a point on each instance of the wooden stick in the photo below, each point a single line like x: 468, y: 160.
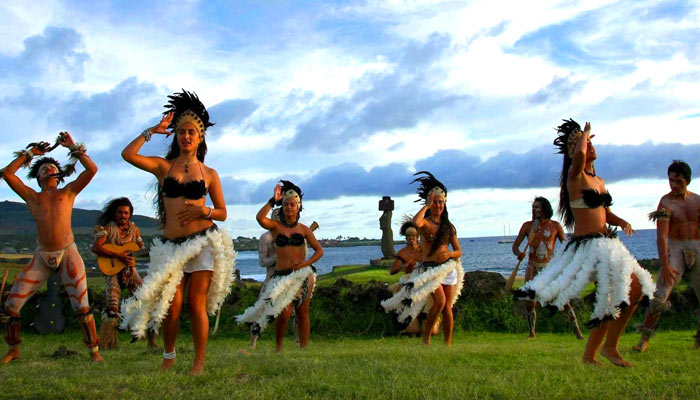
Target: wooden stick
x: 2, y: 286
x: 511, y: 278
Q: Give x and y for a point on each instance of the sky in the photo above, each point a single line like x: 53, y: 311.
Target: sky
x: 349, y: 98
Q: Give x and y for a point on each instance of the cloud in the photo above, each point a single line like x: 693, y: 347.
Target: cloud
x: 560, y: 90
x: 397, y: 98
x: 537, y: 168
x: 102, y: 111
x: 231, y: 112
x: 596, y: 38
x: 56, y: 50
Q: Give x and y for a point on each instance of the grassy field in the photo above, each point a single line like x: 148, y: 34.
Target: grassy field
x: 484, y: 366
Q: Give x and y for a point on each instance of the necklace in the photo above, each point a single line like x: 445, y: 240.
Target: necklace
x: 187, y: 164
x: 433, y: 221
x: 589, y: 173
x: 283, y: 221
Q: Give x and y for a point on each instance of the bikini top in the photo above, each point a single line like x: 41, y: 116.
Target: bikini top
x: 591, y: 198
x: 282, y: 240
x: 193, y: 190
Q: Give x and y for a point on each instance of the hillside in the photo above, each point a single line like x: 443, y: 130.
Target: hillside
x: 16, y: 220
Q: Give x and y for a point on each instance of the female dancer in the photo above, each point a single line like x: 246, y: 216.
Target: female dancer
x: 292, y: 283
x: 193, y: 252
x: 584, y: 204
x: 441, y: 275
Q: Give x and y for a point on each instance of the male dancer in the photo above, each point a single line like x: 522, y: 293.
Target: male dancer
x: 52, y: 209
x: 678, y: 241
x: 116, y: 228
x: 542, y: 234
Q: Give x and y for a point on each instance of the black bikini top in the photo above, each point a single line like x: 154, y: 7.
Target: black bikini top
x: 193, y: 190
x: 591, y: 198
x: 297, y: 239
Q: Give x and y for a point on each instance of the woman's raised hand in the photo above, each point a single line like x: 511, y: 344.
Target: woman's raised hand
x: 277, y: 195
x: 162, y: 126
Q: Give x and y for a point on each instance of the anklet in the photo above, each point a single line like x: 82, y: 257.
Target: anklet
x: 169, y: 356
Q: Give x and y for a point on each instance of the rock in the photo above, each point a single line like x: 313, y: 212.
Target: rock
x: 484, y: 286
x: 342, y: 283
x: 381, y: 262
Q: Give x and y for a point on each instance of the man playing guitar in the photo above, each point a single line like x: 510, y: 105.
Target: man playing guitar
x: 116, y: 237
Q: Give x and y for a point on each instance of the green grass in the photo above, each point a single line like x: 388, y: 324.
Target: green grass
x: 482, y: 365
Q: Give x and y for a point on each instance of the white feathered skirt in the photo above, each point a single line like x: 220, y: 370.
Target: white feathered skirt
x: 147, y: 308
x: 416, y: 290
x: 282, y: 289
x: 605, y: 260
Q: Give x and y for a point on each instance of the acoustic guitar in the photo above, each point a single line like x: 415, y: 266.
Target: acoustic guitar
x: 111, y: 265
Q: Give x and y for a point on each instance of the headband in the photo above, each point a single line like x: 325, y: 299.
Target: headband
x: 190, y: 116
x: 438, y: 192
x: 292, y: 194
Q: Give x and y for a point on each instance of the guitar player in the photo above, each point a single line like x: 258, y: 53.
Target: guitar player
x: 114, y: 231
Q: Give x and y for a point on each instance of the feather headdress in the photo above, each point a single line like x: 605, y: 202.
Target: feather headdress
x: 567, y: 137
x: 186, y: 107
x: 428, y: 184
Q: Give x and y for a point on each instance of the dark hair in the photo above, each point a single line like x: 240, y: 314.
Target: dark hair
x: 34, y: 170
x: 446, y: 229
x: 110, y: 209
x: 405, y: 226
x: 546, y: 206
x: 562, y: 144
x: 680, y: 168
x: 178, y: 103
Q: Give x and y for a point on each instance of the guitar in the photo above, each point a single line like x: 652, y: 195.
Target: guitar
x: 50, y: 317
x: 111, y: 265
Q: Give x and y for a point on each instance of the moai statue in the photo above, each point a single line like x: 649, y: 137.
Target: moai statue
x: 386, y: 204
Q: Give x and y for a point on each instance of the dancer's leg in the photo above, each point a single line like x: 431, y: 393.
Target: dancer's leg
x: 610, y: 347
x: 281, y: 327
x: 197, y: 296
x: 30, y: 279
x: 171, y: 323
x: 438, y: 304
x: 571, y: 314
x: 447, y: 317
x: 302, y: 314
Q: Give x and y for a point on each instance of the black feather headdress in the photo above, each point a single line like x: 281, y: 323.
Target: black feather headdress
x: 427, y: 183
x: 181, y: 102
x: 564, y: 131
x: 406, y: 223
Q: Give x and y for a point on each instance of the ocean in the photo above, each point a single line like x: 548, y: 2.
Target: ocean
x: 482, y: 253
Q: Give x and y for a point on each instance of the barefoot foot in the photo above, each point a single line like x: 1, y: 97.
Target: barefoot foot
x: 642, y: 346
x: 591, y: 361
x: 96, y: 357
x: 12, y: 354
x: 166, y: 365
x: 614, y: 356
x: 197, y: 370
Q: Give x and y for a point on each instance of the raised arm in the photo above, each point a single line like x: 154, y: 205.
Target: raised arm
x: 153, y: 165
x: 78, y: 151
x: 579, y: 160
x: 419, y: 218
x: 23, y: 158
x: 261, y: 216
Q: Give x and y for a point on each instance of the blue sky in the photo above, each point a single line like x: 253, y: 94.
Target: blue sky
x: 348, y: 99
